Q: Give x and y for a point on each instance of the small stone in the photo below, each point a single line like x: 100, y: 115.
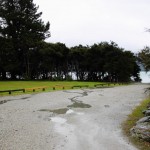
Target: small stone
x: 144, y: 119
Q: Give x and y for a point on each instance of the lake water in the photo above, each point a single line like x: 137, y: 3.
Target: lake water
x: 145, y: 76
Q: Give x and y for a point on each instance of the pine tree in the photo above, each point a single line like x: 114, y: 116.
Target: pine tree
x: 21, y: 23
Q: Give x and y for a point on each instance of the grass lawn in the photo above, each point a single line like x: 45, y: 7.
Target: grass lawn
x: 131, y: 121
x: 12, y: 85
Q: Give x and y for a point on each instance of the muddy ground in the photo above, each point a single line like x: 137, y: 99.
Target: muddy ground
x: 85, y: 119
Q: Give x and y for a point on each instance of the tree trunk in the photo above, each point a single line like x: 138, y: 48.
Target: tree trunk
x: 4, y: 75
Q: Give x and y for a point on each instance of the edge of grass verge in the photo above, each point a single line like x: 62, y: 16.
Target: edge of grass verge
x: 131, y: 121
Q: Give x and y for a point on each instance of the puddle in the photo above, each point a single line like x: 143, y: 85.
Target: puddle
x: 74, y: 99
x: 2, y: 102
x: 58, y: 120
x: 84, y: 93
x: 25, y: 97
x: 75, y: 104
x: 79, y: 105
x: 56, y: 111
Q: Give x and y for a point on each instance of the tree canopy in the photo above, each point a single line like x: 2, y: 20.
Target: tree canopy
x: 99, y: 62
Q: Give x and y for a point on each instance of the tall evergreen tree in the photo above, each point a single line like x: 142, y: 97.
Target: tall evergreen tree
x: 21, y: 23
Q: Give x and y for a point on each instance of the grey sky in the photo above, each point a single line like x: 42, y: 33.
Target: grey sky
x: 86, y: 22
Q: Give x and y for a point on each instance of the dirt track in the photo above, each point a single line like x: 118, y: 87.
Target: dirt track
x: 88, y: 119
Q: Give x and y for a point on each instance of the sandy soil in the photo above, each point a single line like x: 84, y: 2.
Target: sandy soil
x: 92, y: 120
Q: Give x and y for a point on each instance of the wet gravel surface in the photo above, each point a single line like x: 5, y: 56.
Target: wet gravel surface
x: 85, y: 119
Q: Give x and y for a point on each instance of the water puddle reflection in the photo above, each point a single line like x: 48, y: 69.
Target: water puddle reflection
x: 58, y: 120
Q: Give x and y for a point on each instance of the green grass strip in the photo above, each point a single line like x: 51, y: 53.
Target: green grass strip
x: 50, y: 86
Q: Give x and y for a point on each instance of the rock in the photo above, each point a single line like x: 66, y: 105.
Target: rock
x: 148, y: 106
x: 144, y: 119
x: 142, y: 131
x: 147, y: 113
x: 144, y: 112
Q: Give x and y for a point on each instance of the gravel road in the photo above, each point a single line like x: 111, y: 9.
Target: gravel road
x: 85, y: 119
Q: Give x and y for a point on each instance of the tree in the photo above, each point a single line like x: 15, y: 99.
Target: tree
x: 54, y: 60
x: 20, y: 22
x: 144, y: 57
x: 79, y: 61
x: 6, y: 58
x: 126, y: 66
x: 95, y: 62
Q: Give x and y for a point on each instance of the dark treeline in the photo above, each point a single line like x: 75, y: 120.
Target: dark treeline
x: 25, y: 55
x: 99, y: 62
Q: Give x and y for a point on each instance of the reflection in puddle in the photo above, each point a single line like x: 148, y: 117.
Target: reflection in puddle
x: 80, y: 113
x: 79, y: 105
x: 56, y: 111
x: 70, y: 111
x: 75, y: 104
x: 58, y: 120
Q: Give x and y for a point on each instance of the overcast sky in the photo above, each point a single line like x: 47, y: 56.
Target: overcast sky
x: 86, y: 22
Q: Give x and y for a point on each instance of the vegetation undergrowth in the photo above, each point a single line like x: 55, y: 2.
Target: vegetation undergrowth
x: 12, y: 85
x: 131, y: 121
